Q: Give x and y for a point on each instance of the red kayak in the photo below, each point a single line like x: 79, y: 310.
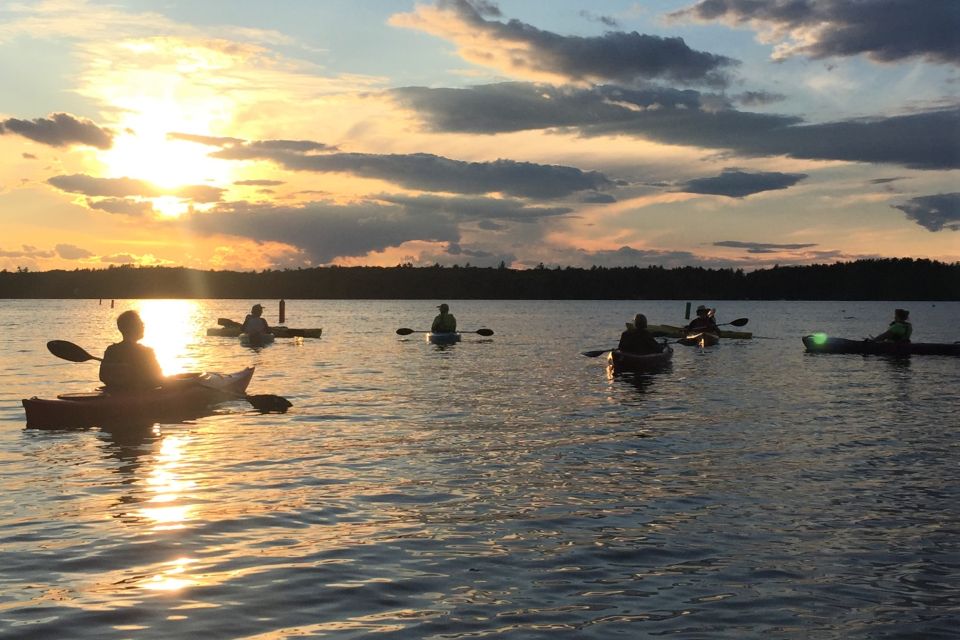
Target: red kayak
x: 640, y: 363
x: 183, y: 395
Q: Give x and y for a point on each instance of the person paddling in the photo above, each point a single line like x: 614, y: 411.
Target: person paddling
x: 636, y: 339
x: 703, y: 322
x: 444, y: 322
x: 128, y: 365
x: 899, y: 330
x: 254, y: 324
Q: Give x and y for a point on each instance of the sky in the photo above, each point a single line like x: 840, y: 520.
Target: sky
x: 236, y: 134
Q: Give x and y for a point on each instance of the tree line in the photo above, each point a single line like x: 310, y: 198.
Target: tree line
x: 879, y: 279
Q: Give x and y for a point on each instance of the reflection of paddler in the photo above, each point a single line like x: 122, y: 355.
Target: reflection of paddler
x: 129, y: 365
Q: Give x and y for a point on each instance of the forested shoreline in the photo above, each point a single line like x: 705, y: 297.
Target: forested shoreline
x: 880, y: 279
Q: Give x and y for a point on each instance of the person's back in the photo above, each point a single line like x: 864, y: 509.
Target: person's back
x: 254, y: 324
x: 128, y: 365
x: 899, y: 330
x: 444, y: 322
x: 703, y: 322
x: 636, y: 339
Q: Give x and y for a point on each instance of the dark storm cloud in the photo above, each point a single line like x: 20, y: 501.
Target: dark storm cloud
x: 762, y: 247
x: 72, y: 252
x: 428, y: 172
x: 60, y: 130
x: 936, y: 212
x: 925, y: 140
x: 884, y: 30
x: 615, y: 55
x: 122, y: 206
x: 125, y: 187
x: 734, y: 183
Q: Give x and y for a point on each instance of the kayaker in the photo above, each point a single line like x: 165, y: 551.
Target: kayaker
x: 636, y: 339
x: 704, y: 321
x: 254, y: 324
x: 899, y: 330
x: 444, y: 322
x: 129, y: 365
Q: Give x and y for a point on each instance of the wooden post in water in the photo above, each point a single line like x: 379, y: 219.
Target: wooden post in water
x: 283, y: 311
x: 111, y: 304
x: 686, y: 314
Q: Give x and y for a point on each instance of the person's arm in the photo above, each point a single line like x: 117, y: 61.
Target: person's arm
x: 435, y: 327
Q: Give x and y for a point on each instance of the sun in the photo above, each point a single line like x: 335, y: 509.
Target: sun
x: 158, y: 87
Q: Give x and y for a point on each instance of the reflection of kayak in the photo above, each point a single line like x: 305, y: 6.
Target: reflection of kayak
x: 626, y: 361
x: 182, y: 396
x: 669, y: 331
x: 256, y: 339
x: 821, y: 343
x: 278, y: 332
x: 443, y: 338
x: 704, y: 339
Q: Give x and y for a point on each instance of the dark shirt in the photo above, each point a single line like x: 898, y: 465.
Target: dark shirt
x: 444, y: 323
x: 703, y: 324
x: 638, y: 341
x: 130, y: 366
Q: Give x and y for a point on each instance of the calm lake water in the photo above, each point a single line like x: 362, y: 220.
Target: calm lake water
x: 503, y: 487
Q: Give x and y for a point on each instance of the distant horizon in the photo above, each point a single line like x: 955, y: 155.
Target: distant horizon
x: 242, y: 136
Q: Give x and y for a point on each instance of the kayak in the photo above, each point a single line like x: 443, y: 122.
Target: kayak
x: 669, y: 331
x: 256, y: 339
x: 446, y: 337
x: 182, y: 396
x: 704, y: 339
x: 625, y: 361
x: 821, y: 343
x: 278, y: 332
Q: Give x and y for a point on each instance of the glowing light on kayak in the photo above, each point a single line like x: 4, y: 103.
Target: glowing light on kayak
x: 818, y: 338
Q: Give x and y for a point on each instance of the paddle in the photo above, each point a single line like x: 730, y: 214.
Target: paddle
x: 739, y: 322
x: 403, y: 331
x: 600, y: 352
x: 265, y: 402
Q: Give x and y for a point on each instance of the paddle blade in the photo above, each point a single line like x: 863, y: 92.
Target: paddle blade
x: 403, y: 331
x: 485, y: 332
x: 227, y: 322
x: 69, y: 351
x: 739, y: 322
x: 594, y: 354
x: 269, y: 403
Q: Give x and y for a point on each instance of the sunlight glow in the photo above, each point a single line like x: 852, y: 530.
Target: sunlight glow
x: 169, y: 327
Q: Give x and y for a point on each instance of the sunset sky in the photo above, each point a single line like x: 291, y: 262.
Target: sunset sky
x: 233, y: 134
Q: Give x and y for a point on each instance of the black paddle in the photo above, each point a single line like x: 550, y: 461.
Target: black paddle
x: 403, y: 331
x: 265, y: 402
x: 739, y: 322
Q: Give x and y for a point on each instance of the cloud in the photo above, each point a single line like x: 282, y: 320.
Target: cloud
x: 258, y: 183
x: 428, y: 172
x: 758, y: 98
x: 119, y: 258
x: 123, y: 206
x: 605, y: 20
x: 525, y: 51
x: 59, y: 130
x: 762, y: 247
x: 28, y: 156
x: 922, y: 140
x: 324, y: 231
x: 734, y: 183
x: 27, y: 251
x: 125, y: 187
x: 883, y: 30
x: 936, y: 212
x: 72, y: 252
